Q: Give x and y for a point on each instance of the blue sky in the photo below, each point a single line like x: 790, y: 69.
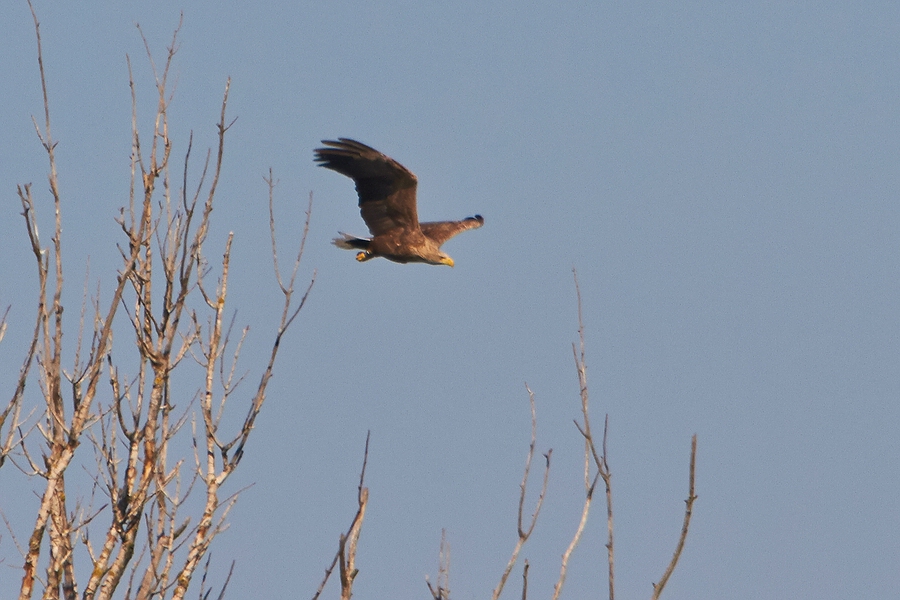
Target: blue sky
x: 723, y: 177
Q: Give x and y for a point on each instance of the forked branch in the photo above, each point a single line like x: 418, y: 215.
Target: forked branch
x: 348, y: 542
x: 525, y: 532
x: 591, y: 455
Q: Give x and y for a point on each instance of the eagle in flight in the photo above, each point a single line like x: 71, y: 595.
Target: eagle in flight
x: 387, y: 201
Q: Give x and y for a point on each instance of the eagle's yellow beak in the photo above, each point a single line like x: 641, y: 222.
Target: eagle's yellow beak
x: 447, y: 261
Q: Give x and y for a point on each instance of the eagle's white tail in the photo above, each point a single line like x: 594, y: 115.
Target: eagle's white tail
x: 350, y: 242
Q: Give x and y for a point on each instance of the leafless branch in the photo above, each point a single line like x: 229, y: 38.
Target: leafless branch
x: 442, y: 591
x: 523, y: 532
x: 327, y: 576
x: 348, y: 542
x: 10, y: 439
x: 591, y: 455
x: 689, y: 505
x: 557, y: 589
x: 525, y: 581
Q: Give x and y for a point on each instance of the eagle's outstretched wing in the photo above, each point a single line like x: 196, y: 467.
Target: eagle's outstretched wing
x: 387, y: 189
x: 441, y: 231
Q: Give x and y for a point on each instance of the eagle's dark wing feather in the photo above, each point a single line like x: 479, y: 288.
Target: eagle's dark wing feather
x: 387, y: 189
x: 441, y: 231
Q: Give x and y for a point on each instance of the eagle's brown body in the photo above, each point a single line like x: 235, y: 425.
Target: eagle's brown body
x: 387, y: 202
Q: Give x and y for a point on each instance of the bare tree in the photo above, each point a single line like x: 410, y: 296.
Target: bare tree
x: 596, y: 468
x: 154, y: 511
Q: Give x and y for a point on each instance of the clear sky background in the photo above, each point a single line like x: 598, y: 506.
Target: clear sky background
x: 724, y: 177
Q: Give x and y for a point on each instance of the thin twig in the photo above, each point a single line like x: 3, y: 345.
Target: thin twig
x: 689, y: 505
x: 347, y: 543
x: 600, y: 458
x: 525, y: 581
x: 523, y: 532
x: 442, y: 591
x: 327, y: 575
x: 557, y: 589
x: 591, y: 454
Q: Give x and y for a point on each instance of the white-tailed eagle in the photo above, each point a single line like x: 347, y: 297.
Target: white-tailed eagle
x: 387, y: 201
